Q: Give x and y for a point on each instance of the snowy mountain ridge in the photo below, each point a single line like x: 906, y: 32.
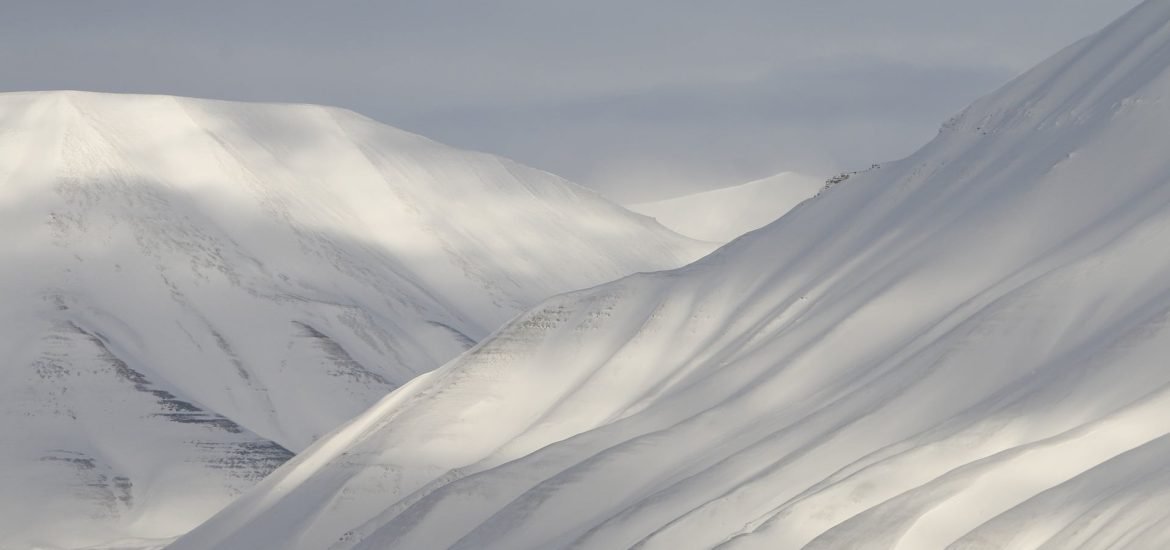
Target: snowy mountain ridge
x: 963, y: 349
x: 195, y: 290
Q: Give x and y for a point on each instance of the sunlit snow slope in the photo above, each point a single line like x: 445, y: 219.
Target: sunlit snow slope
x: 724, y: 214
x: 968, y: 348
x: 194, y: 289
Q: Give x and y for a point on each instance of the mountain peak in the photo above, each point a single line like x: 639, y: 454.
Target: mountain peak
x: 201, y: 288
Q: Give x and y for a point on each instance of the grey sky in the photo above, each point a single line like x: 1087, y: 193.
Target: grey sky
x: 636, y: 98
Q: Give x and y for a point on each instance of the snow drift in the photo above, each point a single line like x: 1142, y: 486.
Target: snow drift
x: 723, y: 214
x: 193, y: 290
x: 966, y: 349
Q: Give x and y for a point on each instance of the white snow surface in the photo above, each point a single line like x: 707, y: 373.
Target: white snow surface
x: 194, y: 290
x: 721, y: 215
x: 965, y: 349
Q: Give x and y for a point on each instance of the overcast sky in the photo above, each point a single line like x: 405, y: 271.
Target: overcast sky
x: 637, y: 98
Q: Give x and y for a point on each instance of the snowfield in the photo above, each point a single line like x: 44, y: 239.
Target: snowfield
x: 196, y: 290
x: 723, y: 214
x: 964, y: 349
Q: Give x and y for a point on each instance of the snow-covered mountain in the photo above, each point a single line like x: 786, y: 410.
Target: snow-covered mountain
x: 194, y: 290
x: 963, y: 349
x: 723, y: 214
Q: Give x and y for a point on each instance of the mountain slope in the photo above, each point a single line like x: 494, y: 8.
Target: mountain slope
x: 723, y: 214
x: 962, y: 349
x: 196, y: 289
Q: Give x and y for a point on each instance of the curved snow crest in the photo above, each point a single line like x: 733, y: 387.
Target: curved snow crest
x: 723, y: 214
x: 962, y: 349
x: 195, y: 289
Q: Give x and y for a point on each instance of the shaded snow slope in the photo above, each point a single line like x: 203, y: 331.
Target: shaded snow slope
x: 964, y: 349
x: 724, y: 214
x: 193, y: 290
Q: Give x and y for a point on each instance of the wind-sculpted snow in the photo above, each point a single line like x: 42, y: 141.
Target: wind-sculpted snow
x: 194, y: 290
x: 963, y: 349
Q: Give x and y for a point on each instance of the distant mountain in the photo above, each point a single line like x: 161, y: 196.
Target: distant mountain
x: 195, y: 290
x: 724, y: 214
x: 963, y: 349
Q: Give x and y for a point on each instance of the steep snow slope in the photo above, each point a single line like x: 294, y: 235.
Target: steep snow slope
x: 724, y: 214
x: 195, y: 289
x: 963, y: 349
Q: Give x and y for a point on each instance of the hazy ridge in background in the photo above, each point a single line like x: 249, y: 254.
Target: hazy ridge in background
x: 723, y: 214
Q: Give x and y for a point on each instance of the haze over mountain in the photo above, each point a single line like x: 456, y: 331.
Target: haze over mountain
x: 965, y: 349
x: 723, y: 214
x: 194, y: 290
x: 639, y: 100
